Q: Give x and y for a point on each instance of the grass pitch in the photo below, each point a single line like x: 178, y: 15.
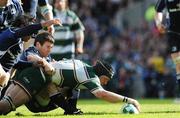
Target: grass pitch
x: 150, y: 108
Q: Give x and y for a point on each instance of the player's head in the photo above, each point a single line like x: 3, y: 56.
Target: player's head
x: 22, y: 21
x: 44, y: 37
x: 102, y: 68
x: 60, y: 4
x: 44, y: 43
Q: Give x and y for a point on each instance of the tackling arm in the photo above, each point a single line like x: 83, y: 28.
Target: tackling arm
x: 49, y: 69
x: 28, y: 30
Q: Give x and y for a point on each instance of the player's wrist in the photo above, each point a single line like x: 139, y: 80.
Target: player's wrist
x: 125, y: 99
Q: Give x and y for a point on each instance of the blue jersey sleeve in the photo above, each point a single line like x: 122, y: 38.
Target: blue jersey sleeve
x: 160, y: 5
x: 7, y: 39
x: 29, y: 51
x: 28, y: 30
x: 23, y: 62
x: 10, y: 36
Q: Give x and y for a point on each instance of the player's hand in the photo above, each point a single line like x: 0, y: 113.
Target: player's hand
x: 49, y: 23
x: 161, y: 28
x: 51, y: 29
x: 37, y: 61
x: 79, y: 50
x: 135, y: 103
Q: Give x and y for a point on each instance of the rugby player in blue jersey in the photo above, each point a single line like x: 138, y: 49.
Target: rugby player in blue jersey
x: 10, y: 40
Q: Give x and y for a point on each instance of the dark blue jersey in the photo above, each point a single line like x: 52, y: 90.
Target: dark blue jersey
x: 9, y: 58
x: 10, y: 36
x: 24, y: 63
x: 173, y: 8
x: 32, y: 51
x: 10, y: 13
x: 10, y: 44
x: 10, y: 47
x: 7, y: 39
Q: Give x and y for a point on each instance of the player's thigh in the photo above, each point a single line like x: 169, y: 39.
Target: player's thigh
x: 173, y: 43
x: 18, y: 95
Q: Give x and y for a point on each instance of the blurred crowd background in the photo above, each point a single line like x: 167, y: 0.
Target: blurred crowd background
x: 123, y: 33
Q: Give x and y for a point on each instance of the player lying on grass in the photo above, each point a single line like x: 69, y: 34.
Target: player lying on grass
x: 67, y: 73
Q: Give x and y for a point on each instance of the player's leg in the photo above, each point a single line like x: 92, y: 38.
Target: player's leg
x: 174, y: 48
x: 34, y: 106
x: 60, y: 97
x: 41, y: 102
x: 72, y: 102
x: 26, y: 83
x: 14, y: 97
x: 176, y: 60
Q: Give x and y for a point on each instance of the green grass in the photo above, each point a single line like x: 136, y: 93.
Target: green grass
x: 151, y: 108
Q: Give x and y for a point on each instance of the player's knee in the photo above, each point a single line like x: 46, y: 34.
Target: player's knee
x: 6, y: 105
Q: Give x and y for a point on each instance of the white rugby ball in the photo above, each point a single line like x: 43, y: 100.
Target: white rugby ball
x: 129, y: 109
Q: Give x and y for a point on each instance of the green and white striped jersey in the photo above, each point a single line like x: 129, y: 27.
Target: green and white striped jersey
x: 75, y: 74
x: 65, y: 35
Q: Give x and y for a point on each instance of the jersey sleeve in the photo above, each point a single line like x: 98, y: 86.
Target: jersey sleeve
x: 160, y: 5
x: 28, y: 30
x: 92, y: 85
x: 7, y: 34
x: 7, y: 39
x: 78, y: 26
x: 29, y: 51
x: 23, y: 62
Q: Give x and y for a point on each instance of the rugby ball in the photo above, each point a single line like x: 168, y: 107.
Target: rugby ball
x: 129, y: 109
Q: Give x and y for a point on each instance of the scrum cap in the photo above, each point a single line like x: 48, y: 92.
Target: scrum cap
x: 103, y: 68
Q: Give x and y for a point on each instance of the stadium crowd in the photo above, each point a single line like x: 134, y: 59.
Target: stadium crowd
x: 137, y: 51
x: 138, y: 54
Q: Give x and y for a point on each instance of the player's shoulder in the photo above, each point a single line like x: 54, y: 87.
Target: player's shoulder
x: 71, y: 14
x: 32, y: 49
x: 16, y: 2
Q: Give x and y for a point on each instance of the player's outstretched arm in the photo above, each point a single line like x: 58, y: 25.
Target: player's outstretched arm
x: 48, y: 23
x: 29, y: 30
x: 114, y: 98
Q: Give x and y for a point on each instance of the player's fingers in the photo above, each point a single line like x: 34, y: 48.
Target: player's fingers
x: 57, y: 22
x: 51, y: 30
x: 138, y: 106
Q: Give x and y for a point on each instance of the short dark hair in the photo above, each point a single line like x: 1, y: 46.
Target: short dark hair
x: 103, y: 68
x: 43, y: 37
x: 22, y: 21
